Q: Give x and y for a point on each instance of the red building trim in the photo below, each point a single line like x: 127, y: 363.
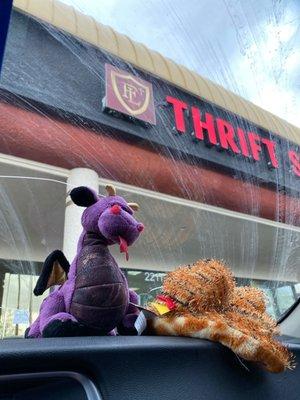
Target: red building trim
x: 36, y: 137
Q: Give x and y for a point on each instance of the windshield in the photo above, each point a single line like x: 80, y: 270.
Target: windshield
x: 89, y: 97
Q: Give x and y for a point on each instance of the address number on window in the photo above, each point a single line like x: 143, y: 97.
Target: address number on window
x: 154, y: 276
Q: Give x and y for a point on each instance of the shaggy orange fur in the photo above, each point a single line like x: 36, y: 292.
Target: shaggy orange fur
x: 210, y: 306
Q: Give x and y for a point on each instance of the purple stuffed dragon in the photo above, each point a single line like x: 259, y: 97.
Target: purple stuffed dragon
x: 93, y: 297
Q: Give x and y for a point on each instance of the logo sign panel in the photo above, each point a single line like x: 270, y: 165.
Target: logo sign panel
x: 129, y: 95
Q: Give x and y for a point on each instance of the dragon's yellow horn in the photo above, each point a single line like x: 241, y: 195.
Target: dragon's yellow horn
x: 134, y: 206
x: 111, y: 190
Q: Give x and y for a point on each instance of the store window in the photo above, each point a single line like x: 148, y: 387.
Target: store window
x: 177, y: 232
x: 32, y: 204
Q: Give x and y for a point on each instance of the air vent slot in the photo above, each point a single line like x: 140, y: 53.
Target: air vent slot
x: 47, y: 386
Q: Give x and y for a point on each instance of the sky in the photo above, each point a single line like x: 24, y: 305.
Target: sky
x: 251, y: 47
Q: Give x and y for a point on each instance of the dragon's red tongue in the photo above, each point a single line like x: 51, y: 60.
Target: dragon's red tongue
x: 124, y: 247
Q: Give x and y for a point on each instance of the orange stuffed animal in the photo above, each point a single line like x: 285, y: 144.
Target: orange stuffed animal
x: 203, y: 301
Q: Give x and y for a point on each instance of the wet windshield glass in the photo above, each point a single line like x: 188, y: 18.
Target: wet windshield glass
x: 214, y: 175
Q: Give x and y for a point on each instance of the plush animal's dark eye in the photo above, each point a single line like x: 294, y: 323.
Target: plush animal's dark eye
x: 127, y: 209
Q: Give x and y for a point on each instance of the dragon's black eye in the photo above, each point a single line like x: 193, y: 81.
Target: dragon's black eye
x: 127, y: 209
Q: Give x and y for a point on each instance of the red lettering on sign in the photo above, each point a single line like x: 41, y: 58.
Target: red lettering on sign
x: 200, y: 126
x: 270, y: 146
x: 178, y: 108
x: 254, y: 141
x: 220, y: 132
x: 226, y: 135
x: 243, y: 142
x: 295, y: 160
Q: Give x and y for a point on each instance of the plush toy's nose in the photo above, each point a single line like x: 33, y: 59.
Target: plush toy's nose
x: 140, y: 227
x: 115, y: 209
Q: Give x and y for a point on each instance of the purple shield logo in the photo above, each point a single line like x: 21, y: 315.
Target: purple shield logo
x: 129, y: 95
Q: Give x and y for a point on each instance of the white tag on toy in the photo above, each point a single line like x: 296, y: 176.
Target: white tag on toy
x: 140, y: 323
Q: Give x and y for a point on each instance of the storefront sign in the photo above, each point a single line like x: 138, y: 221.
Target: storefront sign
x: 203, y: 130
x: 129, y: 94
x: 219, y: 132
x: 146, y: 110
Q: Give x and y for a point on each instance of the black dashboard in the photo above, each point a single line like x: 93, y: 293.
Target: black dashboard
x: 141, y: 368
